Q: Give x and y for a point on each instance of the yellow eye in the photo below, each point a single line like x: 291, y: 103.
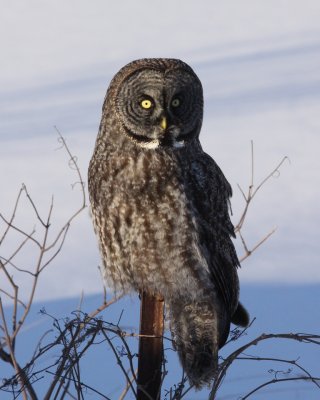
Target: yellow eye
x: 175, y: 102
x: 146, y: 103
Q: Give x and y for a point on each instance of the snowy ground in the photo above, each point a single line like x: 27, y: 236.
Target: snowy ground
x: 259, y: 63
x: 260, y: 68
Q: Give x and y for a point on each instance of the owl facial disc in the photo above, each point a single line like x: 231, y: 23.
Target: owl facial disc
x: 160, y: 108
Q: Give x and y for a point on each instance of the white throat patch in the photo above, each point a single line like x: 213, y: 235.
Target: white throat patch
x: 150, y: 145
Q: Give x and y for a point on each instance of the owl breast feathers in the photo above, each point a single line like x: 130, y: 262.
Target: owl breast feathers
x: 160, y: 208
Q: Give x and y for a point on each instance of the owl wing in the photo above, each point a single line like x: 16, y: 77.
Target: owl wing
x: 211, y: 203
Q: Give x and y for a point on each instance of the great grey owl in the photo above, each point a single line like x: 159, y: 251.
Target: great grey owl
x: 160, y: 208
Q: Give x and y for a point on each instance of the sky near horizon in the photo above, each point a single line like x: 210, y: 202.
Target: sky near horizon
x: 259, y: 63
x: 260, y: 68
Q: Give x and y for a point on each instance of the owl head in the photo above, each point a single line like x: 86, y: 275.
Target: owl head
x: 158, y: 102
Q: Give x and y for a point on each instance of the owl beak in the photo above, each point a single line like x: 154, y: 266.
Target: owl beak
x: 163, y: 123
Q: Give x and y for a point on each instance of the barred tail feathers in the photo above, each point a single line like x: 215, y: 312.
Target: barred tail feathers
x: 198, y: 330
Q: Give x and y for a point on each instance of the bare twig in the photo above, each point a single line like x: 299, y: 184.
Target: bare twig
x: 249, y: 252
x: 43, y: 246
x: 279, y: 380
x: 128, y: 385
x: 12, y: 215
x: 85, y: 331
x: 252, y: 191
x: 128, y: 379
x: 226, y: 363
x: 23, y: 380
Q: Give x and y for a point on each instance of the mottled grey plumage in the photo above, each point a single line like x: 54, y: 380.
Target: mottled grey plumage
x: 160, y: 208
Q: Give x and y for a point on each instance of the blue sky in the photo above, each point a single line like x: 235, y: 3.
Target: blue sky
x: 260, y: 67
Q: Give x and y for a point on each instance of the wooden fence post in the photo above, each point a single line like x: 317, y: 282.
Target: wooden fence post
x: 150, y: 347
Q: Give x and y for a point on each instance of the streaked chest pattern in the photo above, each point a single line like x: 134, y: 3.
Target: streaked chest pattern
x: 148, y: 222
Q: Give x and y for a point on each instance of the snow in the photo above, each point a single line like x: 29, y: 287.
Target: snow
x: 260, y: 67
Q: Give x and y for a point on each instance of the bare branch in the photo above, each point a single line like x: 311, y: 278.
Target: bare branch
x: 12, y: 215
x: 279, y: 380
x: 255, y: 247
x: 252, y: 191
x: 119, y: 362
x: 226, y: 363
x: 23, y: 380
x: 128, y: 385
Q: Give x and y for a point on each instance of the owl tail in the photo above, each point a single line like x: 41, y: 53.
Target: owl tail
x: 198, y: 331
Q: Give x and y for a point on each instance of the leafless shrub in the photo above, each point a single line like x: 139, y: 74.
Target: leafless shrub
x: 76, y: 335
